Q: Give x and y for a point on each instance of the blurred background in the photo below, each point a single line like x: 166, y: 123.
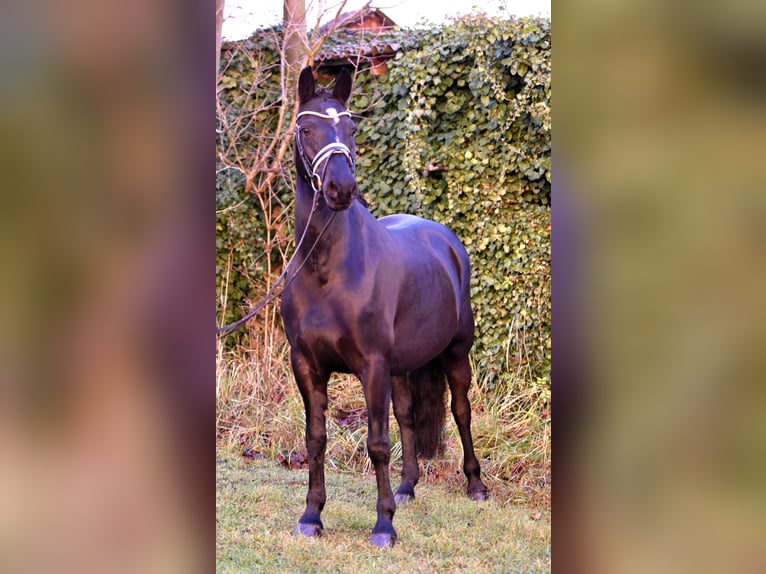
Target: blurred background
x: 659, y: 315
x: 107, y: 289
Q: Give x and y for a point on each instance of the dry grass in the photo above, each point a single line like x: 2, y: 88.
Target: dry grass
x: 260, y: 414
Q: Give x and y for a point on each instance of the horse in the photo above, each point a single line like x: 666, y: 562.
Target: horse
x: 385, y: 299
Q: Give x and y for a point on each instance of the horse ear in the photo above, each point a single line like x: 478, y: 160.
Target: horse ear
x: 342, y: 89
x: 305, y: 85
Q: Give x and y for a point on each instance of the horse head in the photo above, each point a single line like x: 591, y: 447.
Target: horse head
x: 324, y: 140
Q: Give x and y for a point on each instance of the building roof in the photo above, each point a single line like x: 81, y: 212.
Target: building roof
x: 358, y: 36
x: 366, y: 18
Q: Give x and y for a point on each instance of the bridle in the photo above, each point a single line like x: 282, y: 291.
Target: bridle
x: 311, y: 167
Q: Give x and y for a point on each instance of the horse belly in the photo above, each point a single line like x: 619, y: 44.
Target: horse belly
x: 430, y: 300
x: 419, y: 338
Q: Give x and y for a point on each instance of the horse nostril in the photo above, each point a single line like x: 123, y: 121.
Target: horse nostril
x: 341, y: 190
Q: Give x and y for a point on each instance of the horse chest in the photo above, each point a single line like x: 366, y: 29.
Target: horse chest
x: 315, y: 311
x: 338, y: 327
x: 317, y: 323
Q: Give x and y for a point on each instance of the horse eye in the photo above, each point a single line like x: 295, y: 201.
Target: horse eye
x: 305, y: 131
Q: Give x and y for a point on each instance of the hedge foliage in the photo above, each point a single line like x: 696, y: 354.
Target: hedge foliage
x: 459, y: 131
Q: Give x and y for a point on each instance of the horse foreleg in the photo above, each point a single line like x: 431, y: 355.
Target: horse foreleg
x: 459, y: 378
x: 376, y: 382
x: 403, y: 411
x: 313, y: 389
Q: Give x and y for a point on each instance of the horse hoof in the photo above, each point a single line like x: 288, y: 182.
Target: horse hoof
x: 403, y: 498
x: 308, y: 530
x: 383, y: 540
x: 479, y: 495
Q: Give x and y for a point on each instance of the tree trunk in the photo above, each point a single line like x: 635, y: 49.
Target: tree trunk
x: 218, y: 26
x: 294, y: 13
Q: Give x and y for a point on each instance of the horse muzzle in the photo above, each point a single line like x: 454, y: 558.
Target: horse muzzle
x: 340, y: 193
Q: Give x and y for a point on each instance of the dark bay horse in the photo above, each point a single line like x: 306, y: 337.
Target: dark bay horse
x: 387, y: 300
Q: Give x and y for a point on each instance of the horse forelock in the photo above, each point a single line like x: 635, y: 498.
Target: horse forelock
x: 325, y: 96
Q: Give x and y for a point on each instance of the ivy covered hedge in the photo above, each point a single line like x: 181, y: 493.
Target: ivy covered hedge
x: 459, y: 131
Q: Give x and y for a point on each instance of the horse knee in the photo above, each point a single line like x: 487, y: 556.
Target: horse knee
x: 315, y: 445
x: 379, y: 450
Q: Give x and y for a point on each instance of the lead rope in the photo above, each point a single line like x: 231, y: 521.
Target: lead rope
x: 226, y: 329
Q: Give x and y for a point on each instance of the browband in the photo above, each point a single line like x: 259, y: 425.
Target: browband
x: 325, y: 116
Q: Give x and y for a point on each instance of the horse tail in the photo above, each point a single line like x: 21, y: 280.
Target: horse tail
x: 428, y: 385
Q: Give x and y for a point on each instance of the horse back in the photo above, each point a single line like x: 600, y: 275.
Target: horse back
x: 429, y: 243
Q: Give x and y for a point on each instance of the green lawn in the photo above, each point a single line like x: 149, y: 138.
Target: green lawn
x: 258, y: 504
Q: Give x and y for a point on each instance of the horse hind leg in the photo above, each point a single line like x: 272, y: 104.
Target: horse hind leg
x: 402, y: 399
x: 458, y: 371
x: 420, y: 411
